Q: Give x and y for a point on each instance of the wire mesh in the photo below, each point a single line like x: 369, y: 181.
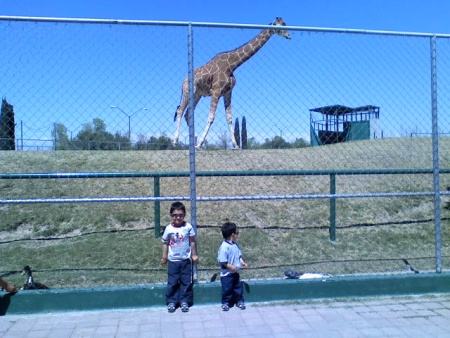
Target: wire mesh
x: 102, y: 98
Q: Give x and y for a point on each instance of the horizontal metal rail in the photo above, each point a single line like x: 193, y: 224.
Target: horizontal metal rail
x: 143, y: 174
x: 156, y: 198
x: 216, y: 25
x: 113, y: 199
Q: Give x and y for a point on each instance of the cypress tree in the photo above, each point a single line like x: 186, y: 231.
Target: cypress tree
x: 7, y: 127
x: 244, y: 133
x: 237, y: 134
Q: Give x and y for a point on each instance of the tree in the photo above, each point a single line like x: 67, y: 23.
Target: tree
x: 223, y: 140
x: 276, y: 142
x: 141, y: 144
x: 93, y: 136
x: 244, y: 133
x: 252, y: 144
x: 300, y: 143
x: 59, y: 135
x: 159, y: 143
x: 237, y: 134
x: 7, y: 127
x: 84, y: 136
x: 99, y: 125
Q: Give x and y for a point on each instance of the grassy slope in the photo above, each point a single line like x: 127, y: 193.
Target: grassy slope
x: 277, y: 235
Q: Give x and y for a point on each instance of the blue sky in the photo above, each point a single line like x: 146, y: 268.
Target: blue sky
x: 76, y: 72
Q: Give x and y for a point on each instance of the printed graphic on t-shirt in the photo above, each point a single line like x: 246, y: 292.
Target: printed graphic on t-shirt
x: 176, y: 239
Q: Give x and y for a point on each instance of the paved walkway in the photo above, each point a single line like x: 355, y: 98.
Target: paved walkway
x: 413, y: 316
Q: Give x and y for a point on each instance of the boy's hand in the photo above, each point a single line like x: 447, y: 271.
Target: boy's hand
x: 7, y: 286
x: 163, y: 261
x: 233, y: 268
x: 194, y: 258
x: 244, y: 265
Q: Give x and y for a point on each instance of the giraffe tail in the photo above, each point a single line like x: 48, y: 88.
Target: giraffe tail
x: 175, y: 116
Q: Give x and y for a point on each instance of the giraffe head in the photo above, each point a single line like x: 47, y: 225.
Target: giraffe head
x: 279, y: 22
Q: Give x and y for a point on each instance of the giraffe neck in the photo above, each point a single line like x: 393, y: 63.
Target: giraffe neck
x: 241, y: 54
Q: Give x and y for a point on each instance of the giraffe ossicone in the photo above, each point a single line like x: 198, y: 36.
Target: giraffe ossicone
x: 216, y: 79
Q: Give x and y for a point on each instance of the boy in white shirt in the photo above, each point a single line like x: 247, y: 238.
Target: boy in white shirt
x: 180, y: 250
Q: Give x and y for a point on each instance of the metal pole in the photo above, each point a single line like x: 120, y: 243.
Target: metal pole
x: 129, y: 128
x: 193, y: 191
x: 54, y: 136
x: 192, y: 170
x: 21, y: 135
x: 129, y: 118
x: 333, y: 208
x: 157, y: 193
x: 435, y: 140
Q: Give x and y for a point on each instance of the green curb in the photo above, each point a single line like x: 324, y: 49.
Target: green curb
x: 59, y: 300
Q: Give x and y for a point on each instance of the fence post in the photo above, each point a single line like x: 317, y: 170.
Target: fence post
x: 332, y: 207
x: 157, y: 193
x: 192, y: 140
x: 435, y: 140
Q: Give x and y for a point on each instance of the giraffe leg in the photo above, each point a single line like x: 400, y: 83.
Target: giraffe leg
x: 227, y: 102
x: 184, y: 107
x: 188, y: 111
x: 196, y: 100
x: 212, y: 114
x: 178, y: 124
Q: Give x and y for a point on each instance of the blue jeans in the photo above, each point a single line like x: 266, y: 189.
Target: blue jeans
x: 179, y: 283
x: 232, y: 289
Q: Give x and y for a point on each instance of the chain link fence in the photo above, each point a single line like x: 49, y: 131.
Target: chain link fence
x: 101, y: 95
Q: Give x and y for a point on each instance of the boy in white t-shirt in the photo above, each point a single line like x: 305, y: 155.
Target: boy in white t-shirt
x: 180, y: 251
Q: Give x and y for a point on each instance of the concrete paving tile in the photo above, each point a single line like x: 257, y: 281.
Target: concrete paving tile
x: 130, y: 330
x: 84, y: 332
x: 211, y: 332
x: 38, y: 333
x: 372, y: 315
x: 300, y: 327
x: 196, y: 325
x: 280, y: 328
x: 239, y: 332
x: 103, y: 330
x: 371, y: 332
x: 425, y: 316
x: 390, y: 331
x: 60, y: 333
x: 259, y: 330
x: 417, y: 313
x: 442, y: 312
x: 17, y: 334
x: 284, y: 335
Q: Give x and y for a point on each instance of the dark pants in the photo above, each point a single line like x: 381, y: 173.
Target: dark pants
x: 179, y: 283
x: 232, y: 289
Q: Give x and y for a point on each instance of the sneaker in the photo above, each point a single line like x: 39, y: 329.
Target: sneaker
x: 171, y: 307
x: 225, y: 307
x: 184, y: 307
x: 241, y: 305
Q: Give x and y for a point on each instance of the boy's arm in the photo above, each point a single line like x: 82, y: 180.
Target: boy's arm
x: 165, y: 250
x: 226, y: 265
x: 193, y: 244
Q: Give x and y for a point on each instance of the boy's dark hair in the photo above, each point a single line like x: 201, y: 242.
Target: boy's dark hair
x: 177, y: 206
x: 228, y: 229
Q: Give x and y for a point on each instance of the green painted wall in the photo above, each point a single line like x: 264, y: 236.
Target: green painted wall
x: 57, y: 300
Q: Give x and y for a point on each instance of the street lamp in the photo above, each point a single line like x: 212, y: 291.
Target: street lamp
x: 280, y: 130
x: 129, y: 118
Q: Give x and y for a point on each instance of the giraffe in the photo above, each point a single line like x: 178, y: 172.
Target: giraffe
x: 216, y: 79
